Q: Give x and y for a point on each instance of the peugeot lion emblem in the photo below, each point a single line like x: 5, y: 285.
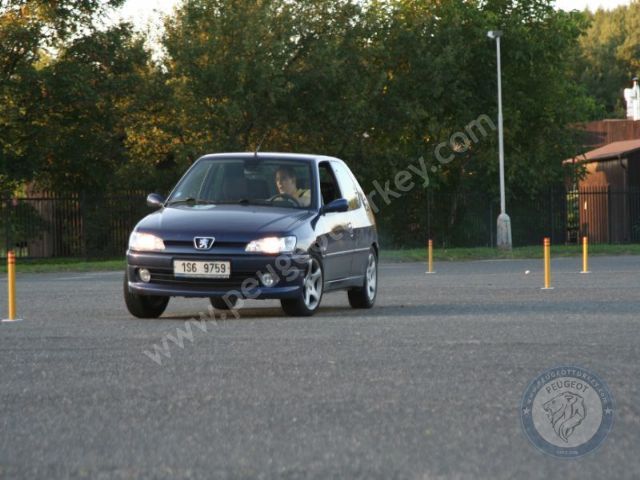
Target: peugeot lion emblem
x: 203, y: 243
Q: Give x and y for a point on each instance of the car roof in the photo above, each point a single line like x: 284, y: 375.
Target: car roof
x: 270, y: 156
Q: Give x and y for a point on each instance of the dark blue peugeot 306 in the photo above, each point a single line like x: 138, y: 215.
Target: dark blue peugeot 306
x: 255, y: 226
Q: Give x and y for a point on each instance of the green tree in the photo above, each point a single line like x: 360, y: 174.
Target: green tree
x: 599, y: 69
x: 629, y: 50
x: 31, y: 32
x: 440, y: 70
x: 610, y: 57
x: 87, y: 96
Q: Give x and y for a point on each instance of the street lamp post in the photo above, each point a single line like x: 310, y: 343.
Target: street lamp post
x: 503, y: 237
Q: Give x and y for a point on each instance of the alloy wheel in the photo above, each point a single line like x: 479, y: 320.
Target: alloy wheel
x: 372, y: 276
x: 313, y: 285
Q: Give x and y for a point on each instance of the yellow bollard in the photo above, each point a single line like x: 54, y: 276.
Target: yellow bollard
x: 585, y: 255
x: 11, y: 282
x: 547, y: 264
x: 430, y: 256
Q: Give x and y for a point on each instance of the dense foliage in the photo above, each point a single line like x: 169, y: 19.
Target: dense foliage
x: 610, y: 56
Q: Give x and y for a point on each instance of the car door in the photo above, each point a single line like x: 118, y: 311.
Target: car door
x: 335, y: 235
x: 358, y: 219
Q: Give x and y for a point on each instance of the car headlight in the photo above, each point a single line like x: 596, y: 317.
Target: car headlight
x: 145, y: 242
x: 272, y: 245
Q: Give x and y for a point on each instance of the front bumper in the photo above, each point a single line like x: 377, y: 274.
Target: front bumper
x: 244, y: 282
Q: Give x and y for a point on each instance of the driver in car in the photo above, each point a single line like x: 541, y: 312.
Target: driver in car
x: 286, y: 184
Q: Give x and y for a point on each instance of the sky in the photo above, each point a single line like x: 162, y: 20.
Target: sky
x: 143, y: 12
x: 581, y: 4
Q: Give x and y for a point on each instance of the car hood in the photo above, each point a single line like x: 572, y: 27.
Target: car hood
x: 231, y: 223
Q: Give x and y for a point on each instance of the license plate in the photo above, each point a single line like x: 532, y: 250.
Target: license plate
x: 191, y: 268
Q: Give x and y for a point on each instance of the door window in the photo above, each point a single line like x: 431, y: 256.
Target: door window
x: 347, y: 187
x: 328, y: 185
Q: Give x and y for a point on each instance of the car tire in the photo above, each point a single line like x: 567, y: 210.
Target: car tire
x: 143, y: 306
x: 223, y: 303
x: 365, y: 296
x: 308, y: 301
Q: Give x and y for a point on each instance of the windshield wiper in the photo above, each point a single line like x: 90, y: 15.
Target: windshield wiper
x: 244, y: 201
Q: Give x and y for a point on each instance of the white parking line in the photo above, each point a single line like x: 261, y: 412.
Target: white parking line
x: 85, y: 275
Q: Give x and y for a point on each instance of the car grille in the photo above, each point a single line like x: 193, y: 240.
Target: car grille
x: 216, y: 246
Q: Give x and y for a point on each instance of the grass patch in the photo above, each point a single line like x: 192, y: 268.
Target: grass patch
x: 485, y: 253
x: 45, y: 265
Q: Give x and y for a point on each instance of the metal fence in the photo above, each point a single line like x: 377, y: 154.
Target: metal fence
x: 75, y: 225
x: 604, y: 214
x: 69, y: 225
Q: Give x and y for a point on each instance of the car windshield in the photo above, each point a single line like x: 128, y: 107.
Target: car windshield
x: 278, y: 183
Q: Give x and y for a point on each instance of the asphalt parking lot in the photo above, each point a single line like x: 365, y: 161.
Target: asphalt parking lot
x: 427, y: 385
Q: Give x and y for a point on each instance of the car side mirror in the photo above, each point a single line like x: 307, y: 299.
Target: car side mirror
x: 155, y: 200
x: 338, y: 205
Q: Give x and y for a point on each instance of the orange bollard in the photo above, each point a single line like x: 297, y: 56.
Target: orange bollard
x: 430, y: 257
x: 547, y: 264
x: 585, y: 255
x: 11, y: 283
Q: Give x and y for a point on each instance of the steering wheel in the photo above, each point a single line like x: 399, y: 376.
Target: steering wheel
x: 286, y: 197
